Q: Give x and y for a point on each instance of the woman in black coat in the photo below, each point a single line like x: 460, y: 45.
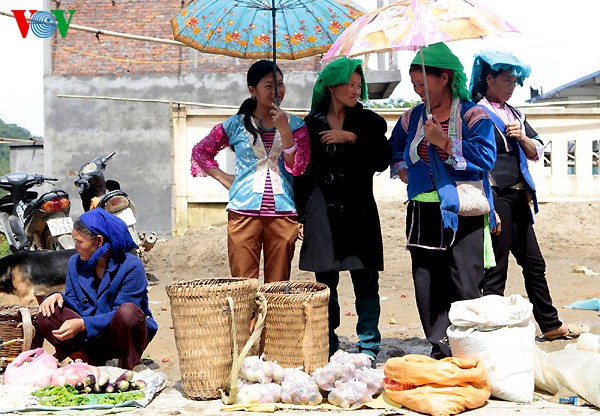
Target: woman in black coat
x: 334, y: 197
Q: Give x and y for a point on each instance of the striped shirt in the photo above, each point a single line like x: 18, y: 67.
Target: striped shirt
x: 267, y: 206
x: 422, y: 147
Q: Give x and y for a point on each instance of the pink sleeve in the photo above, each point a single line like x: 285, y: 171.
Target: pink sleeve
x: 302, y: 156
x: 204, y: 152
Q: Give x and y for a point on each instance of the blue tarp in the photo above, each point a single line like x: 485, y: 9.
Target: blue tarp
x: 589, y: 304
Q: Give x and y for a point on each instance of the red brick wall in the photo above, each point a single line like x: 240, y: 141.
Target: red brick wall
x: 83, y: 54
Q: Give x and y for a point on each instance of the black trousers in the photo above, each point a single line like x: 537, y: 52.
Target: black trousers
x: 441, y: 277
x: 517, y: 236
x: 368, y: 309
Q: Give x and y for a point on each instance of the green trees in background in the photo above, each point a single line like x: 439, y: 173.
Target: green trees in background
x: 391, y: 103
x: 8, y: 131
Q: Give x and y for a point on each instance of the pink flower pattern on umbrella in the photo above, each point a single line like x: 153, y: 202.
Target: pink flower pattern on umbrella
x: 410, y: 24
x: 244, y: 29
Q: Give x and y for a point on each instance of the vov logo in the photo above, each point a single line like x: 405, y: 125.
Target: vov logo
x: 43, y: 24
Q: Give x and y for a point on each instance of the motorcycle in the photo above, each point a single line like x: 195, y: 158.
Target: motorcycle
x: 96, y: 191
x: 31, y: 222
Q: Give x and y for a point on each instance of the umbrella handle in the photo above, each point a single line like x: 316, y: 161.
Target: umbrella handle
x: 427, y: 106
x: 273, y: 17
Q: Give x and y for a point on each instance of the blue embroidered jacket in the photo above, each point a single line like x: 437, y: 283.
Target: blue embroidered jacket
x: 251, y: 167
x: 472, y: 156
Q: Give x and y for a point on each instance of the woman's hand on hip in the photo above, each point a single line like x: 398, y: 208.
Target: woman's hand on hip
x: 51, y: 302
x: 223, y: 178
x: 337, y: 137
x: 69, y: 329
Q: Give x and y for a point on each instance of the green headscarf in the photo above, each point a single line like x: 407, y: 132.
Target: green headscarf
x: 438, y: 55
x: 338, y: 72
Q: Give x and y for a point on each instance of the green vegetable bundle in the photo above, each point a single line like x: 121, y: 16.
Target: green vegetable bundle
x: 62, y: 396
x: 67, y: 396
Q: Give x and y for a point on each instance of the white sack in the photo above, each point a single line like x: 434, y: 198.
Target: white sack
x: 499, y: 331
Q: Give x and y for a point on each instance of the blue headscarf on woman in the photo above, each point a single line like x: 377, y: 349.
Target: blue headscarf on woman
x: 116, y: 235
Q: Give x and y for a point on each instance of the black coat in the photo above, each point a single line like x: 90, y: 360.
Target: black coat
x: 334, y: 196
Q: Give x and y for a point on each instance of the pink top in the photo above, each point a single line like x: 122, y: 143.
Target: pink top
x: 204, y: 152
x: 502, y: 111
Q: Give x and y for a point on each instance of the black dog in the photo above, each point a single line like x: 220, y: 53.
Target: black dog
x: 32, y: 275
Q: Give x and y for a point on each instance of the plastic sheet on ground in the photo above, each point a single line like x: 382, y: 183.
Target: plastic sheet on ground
x: 380, y: 402
x: 587, y: 304
x: 155, y: 382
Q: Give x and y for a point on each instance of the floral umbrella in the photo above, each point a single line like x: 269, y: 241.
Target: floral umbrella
x: 412, y: 24
x: 264, y: 29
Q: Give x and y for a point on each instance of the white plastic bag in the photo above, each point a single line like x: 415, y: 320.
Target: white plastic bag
x: 372, y: 378
x: 252, y: 393
x: 255, y: 369
x: 328, y: 377
x: 570, y: 368
x: 358, y: 360
x: 300, y: 391
x: 350, y: 394
x: 588, y: 342
x: 499, y: 331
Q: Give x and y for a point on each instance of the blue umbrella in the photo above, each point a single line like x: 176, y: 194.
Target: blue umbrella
x: 250, y: 28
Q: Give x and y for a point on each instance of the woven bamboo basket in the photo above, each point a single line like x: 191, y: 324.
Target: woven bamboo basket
x: 202, y: 322
x: 297, y: 327
x: 17, y: 332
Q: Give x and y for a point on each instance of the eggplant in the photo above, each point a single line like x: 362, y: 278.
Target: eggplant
x: 96, y: 388
x: 79, y: 386
x: 103, y: 380
x: 110, y: 388
x: 122, y: 385
x: 89, y: 380
x: 87, y: 389
x: 127, y: 375
x: 138, y: 385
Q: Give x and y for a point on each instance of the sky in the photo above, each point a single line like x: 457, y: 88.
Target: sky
x: 560, y: 40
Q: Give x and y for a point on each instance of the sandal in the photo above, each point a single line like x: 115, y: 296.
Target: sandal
x: 573, y: 331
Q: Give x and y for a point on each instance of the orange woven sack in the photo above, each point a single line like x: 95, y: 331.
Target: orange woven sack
x: 436, y: 387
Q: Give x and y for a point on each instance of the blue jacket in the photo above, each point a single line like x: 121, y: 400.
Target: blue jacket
x: 252, y: 162
x: 123, y: 282
x: 473, y: 156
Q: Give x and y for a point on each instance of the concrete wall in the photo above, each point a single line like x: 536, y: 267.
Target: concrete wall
x: 27, y: 158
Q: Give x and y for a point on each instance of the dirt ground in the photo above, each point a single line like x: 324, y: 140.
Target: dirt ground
x: 567, y: 233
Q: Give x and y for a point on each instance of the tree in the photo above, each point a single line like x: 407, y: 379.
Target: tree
x: 9, y: 131
x: 392, y: 103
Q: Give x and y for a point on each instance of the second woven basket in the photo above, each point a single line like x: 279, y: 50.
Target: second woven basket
x: 297, y: 327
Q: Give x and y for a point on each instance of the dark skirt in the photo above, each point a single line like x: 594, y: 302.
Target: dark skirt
x: 425, y: 228
x: 340, y: 239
